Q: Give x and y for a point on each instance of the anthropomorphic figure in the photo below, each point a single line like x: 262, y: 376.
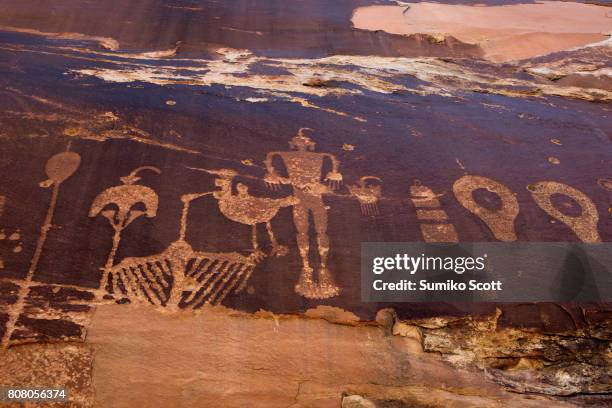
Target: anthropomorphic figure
x: 304, y: 167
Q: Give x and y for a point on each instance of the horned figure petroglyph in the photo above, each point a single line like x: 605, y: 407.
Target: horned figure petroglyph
x: 304, y: 168
x: 180, y: 277
x: 124, y: 199
x: 58, y: 168
x: 248, y: 209
x: 368, y: 195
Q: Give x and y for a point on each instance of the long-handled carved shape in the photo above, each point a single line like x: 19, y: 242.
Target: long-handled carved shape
x: 584, y: 225
x: 58, y: 168
x: 500, y: 222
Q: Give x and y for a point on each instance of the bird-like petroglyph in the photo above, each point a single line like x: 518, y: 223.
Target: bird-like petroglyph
x: 179, y: 276
x: 304, y: 167
x: 500, y: 220
x: 248, y: 209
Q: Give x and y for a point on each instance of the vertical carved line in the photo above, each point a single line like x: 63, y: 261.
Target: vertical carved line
x: 17, y: 308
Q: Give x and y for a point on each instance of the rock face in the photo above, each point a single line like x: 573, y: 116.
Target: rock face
x: 505, y: 32
x: 219, y: 357
x: 186, y: 184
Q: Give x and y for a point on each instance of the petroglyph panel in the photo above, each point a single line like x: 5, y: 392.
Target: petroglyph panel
x: 277, y: 227
x: 146, y: 175
x: 302, y: 184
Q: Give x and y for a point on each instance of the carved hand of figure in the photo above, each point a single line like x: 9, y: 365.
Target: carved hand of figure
x: 273, y: 180
x: 334, y: 180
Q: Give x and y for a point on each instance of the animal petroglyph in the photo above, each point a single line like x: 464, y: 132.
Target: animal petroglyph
x: 249, y: 210
x: 304, y: 168
x: 368, y: 195
x: 583, y: 225
x: 180, y: 277
x: 500, y: 221
x: 434, y: 220
x: 58, y: 169
x: 123, y: 198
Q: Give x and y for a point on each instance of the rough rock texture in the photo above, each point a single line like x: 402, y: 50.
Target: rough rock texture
x: 51, y: 365
x: 137, y: 356
x: 269, y: 360
x: 170, y: 227
x: 524, y: 359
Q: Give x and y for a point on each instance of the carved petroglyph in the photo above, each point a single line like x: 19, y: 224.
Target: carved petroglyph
x: 431, y: 215
x: 304, y: 168
x: 249, y: 210
x: 500, y: 221
x: 434, y: 220
x: 58, y: 168
x: 605, y: 183
x: 583, y: 225
x: 123, y: 198
x: 13, y: 239
x: 180, y: 277
x: 368, y: 195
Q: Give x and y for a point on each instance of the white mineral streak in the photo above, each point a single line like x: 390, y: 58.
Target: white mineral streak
x: 104, y: 42
x: 383, y: 75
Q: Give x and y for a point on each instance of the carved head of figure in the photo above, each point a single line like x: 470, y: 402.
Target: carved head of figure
x: 243, y: 189
x: 223, y: 180
x: 302, y: 142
